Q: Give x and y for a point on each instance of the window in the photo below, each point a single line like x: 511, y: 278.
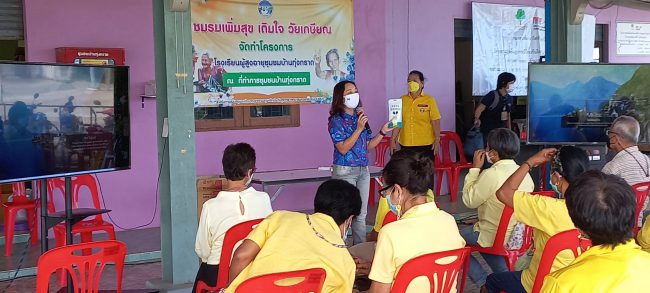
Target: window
x: 249, y: 117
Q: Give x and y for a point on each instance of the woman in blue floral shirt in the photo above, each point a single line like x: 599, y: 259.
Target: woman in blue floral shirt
x: 351, y: 144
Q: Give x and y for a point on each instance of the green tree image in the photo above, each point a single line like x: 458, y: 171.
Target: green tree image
x: 521, y: 15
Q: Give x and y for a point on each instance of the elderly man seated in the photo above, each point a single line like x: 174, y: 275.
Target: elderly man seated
x: 602, y: 208
x: 629, y: 163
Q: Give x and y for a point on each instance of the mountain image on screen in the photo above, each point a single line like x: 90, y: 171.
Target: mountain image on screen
x: 575, y: 103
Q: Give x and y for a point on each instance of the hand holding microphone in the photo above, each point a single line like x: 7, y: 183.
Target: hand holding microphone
x: 363, y: 120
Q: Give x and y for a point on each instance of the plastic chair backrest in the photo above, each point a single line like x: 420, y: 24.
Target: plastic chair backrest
x: 442, y: 276
x: 86, y: 270
x: 641, y: 191
x: 380, y: 151
x: 77, y: 183
x: 446, y: 139
x: 19, y: 193
x: 54, y: 184
x: 312, y: 281
x: 567, y: 240
x: 233, y: 235
x: 389, y: 218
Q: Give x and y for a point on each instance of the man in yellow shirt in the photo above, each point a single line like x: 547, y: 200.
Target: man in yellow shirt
x: 479, y: 192
x: 547, y: 216
x: 420, y: 119
x: 602, y: 208
x: 290, y: 241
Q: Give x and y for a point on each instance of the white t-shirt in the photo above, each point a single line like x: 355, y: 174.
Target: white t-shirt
x: 221, y: 213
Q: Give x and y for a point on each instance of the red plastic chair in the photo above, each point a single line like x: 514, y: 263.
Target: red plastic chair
x: 641, y: 190
x: 86, y: 270
x: 498, y: 248
x: 86, y: 227
x: 389, y: 218
x: 313, y: 280
x: 567, y: 240
x: 442, y: 277
x: 19, y: 201
x: 380, y: 161
x: 449, y: 166
x: 233, y: 235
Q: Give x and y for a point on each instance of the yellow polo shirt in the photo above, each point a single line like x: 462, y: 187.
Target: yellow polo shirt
x: 421, y: 230
x: 417, y: 115
x: 479, y: 192
x: 643, y: 237
x: 383, y: 209
x: 288, y: 243
x: 603, y: 269
x: 548, y: 216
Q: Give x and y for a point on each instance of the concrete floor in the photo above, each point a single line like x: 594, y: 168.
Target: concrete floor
x: 136, y: 275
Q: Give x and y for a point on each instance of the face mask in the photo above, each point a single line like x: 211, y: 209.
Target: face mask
x: 351, y: 101
x: 345, y: 233
x: 392, y: 207
x: 554, y: 187
x: 510, y: 89
x: 488, y: 158
x: 250, y: 179
x: 413, y: 86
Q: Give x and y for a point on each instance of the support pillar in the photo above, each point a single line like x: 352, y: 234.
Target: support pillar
x: 175, y: 104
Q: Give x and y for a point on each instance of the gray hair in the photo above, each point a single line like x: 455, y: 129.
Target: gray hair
x: 627, y: 128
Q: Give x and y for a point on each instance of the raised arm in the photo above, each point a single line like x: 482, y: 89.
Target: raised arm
x: 506, y: 193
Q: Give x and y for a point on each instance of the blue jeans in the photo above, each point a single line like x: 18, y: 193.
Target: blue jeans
x: 359, y: 177
x: 476, y: 272
x: 509, y: 282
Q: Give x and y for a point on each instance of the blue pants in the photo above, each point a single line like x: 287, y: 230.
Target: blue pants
x: 509, y: 282
x: 476, y: 272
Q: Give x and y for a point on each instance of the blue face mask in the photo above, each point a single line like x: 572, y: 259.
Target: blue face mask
x: 554, y: 187
x: 392, y: 207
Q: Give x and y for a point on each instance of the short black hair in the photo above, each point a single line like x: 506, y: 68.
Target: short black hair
x: 570, y: 162
x: 603, y: 206
x: 338, y: 199
x: 504, y: 79
x: 418, y: 73
x: 505, y: 142
x: 237, y: 160
x: 411, y: 170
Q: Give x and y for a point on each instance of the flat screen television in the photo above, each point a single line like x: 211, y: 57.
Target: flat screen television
x: 62, y: 119
x: 576, y: 103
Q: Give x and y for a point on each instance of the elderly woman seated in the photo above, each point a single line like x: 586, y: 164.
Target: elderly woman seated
x: 479, y: 192
x: 548, y: 216
x: 290, y: 241
x: 421, y: 227
x: 602, y: 207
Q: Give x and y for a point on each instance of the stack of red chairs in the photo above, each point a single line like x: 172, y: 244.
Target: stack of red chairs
x: 444, y: 163
x: 380, y: 161
x: 19, y: 201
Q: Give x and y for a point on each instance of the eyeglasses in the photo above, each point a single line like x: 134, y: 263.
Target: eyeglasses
x: 384, y: 192
x: 608, y: 132
x: 556, y: 164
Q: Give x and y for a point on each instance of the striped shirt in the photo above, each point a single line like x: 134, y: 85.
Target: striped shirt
x: 631, y: 165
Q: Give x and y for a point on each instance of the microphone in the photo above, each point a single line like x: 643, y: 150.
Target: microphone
x: 358, y: 110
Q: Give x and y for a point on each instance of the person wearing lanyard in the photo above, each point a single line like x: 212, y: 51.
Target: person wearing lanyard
x: 421, y: 120
x: 352, y: 139
x: 494, y: 109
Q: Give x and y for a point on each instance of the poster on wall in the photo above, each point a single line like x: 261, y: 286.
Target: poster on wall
x: 270, y: 52
x: 633, y: 38
x: 505, y: 38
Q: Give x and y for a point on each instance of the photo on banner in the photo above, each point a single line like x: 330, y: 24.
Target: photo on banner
x: 270, y: 52
x: 505, y: 39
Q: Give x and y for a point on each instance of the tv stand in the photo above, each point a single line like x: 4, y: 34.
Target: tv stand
x: 70, y: 216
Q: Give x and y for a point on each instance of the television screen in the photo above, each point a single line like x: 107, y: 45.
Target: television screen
x: 576, y: 103
x: 62, y: 119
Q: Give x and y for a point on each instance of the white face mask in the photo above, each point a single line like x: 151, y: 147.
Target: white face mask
x: 250, y: 179
x: 351, y: 101
x: 510, y: 89
x: 488, y: 159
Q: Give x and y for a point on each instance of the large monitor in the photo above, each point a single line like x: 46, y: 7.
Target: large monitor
x: 576, y: 103
x: 62, y: 119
